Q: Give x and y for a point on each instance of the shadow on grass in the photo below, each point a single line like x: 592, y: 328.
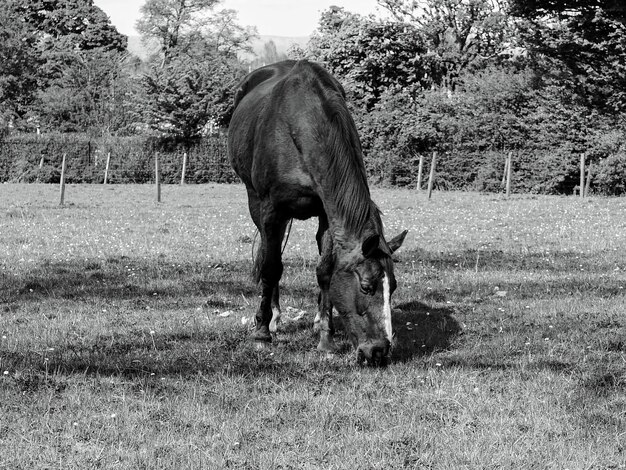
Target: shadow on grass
x: 145, y: 359
x: 420, y: 329
x: 126, y: 278
x: 221, y: 348
x: 142, y: 281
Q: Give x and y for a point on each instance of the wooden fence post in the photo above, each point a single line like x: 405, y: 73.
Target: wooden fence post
x: 581, y: 187
x: 506, y: 169
x: 509, y: 173
x: 588, y: 183
x: 106, y: 168
x: 63, y: 180
x: 40, y: 166
x: 182, y: 175
x: 157, y: 178
x: 420, y: 169
x: 431, y: 177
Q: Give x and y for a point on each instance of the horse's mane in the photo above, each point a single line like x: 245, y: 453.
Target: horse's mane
x: 345, y: 178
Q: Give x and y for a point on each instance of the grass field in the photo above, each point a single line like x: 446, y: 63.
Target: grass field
x: 124, y: 341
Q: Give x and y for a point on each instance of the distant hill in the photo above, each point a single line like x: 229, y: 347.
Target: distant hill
x: 136, y: 47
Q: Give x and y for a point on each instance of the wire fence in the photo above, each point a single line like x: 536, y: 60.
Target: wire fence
x: 132, y: 160
x: 115, y: 162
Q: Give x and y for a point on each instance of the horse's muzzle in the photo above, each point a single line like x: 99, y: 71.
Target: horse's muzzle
x: 374, y: 352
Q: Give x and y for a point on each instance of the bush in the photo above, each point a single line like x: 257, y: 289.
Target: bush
x: 611, y: 175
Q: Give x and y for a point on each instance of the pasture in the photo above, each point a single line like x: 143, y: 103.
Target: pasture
x: 124, y: 340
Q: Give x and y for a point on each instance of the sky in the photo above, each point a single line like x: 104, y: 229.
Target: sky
x: 271, y: 17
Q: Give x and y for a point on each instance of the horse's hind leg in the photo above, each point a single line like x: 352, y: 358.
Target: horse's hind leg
x: 324, y: 318
x: 269, y: 268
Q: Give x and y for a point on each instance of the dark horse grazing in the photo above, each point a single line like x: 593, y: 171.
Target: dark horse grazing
x: 295, y: 146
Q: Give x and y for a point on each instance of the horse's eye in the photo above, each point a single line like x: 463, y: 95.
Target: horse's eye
x: 368, y: 288
x: 367, y: 283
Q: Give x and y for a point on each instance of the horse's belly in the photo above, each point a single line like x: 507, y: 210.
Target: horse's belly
x: 301, y: 207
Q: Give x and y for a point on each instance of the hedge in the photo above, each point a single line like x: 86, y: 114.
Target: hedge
x: 31, y: 158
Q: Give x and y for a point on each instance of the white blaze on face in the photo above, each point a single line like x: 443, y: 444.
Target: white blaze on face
x: 387, y: 308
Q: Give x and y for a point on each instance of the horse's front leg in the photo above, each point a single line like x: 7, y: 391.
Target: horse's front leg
x: 324, y: 318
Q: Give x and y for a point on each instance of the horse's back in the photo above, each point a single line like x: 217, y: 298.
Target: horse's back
x: 275, y: 107
x: 279, y: 140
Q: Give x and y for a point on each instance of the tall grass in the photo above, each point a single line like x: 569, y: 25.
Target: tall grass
x: 124, y: 341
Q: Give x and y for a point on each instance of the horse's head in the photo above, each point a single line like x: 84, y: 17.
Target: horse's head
x: 360, y: 290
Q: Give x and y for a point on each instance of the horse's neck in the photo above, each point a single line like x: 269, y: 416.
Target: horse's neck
x: 344, y: 238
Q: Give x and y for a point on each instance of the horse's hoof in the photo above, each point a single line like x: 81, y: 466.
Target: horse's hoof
x: 262, y: 335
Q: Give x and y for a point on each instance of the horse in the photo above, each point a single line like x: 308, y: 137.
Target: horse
x: 295, y: 146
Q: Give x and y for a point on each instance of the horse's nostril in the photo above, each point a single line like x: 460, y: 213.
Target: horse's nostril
x: 360, y: 358
x: 379, y: 357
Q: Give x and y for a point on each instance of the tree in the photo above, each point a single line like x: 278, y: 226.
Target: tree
x: 371, y: 57
x: 586, y: 40
x: 69, y: 25
x: 193, y: 83
x: 225, y: 36
x: 461, y: 34
x: 19, y: 65
x: 186, y: 94
x: 296, y: 52
x: 169, y: 20
x: 90, y: 94
x: 615, y: 9
x: 76, y: 51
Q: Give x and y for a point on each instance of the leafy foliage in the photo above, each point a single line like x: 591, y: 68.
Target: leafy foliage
x: 371, y: 57
x: 465, y: 85
x: 89, y: 93
x: 186, y: 94
x: 473, y: 80
x: 69, y: 25
x: 65, y: 62
x: 461, y: 35
x: 611, y: 177
x: 18, y: 75
x: 191, y: 86
x: 587, y: 38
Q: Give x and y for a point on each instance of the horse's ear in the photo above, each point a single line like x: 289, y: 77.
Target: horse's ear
x: 370, y: 245
x: 396, y: 242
